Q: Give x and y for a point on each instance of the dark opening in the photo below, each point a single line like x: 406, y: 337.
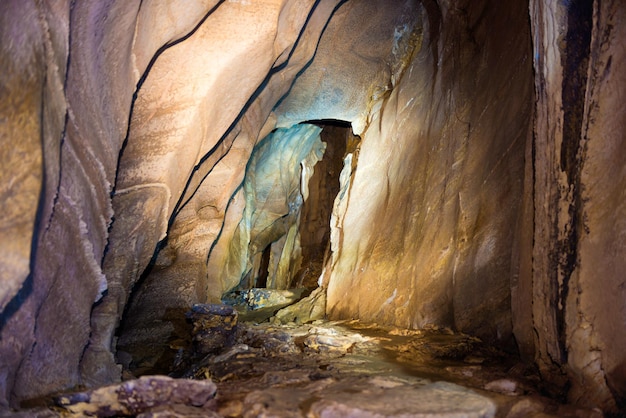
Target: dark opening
x: 317, y: 209
x: 575, y: 62
x: 261, y: 280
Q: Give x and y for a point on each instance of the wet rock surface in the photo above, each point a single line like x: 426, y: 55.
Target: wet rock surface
x: 259, y: 304
x: 309, y: 309
x: 341, y: 368
x: 329, y: 369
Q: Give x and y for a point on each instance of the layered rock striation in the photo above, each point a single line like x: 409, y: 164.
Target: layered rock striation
x: 485, y: 193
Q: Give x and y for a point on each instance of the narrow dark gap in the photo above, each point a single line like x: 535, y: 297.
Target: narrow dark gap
x: 261, y: 280
x: 317, y: 210
x: 575, y: 60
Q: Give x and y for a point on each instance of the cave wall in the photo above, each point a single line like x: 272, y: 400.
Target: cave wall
x: 210, y: 203
x: 81, y: 111
x: 176, y: 133
x: 21, y: 125
x: 73, y: 105
x: 440, y: 174
x: 486, y: 194
x: 576, y: 285
x: 68, y: 144
x: 206, y: 252
x: 274, y: 197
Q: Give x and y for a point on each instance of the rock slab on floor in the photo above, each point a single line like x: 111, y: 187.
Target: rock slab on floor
x: 147, y: 396
x: 441, y: 400
x: 363, y: 398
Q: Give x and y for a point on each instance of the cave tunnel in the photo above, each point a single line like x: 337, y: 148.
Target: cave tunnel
x: 319, y: 188
x: 312, y: 208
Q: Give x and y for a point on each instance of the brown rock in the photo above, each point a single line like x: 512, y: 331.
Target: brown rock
x: 139, y: 396
x: 214, y: 327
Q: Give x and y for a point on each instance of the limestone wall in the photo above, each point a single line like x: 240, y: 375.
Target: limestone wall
x: 440, y: 175
x: 73, y: 108
x: 486, y: 193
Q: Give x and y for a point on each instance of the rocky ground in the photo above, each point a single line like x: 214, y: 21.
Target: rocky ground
x: 331, y: 369
x: 335, y: 369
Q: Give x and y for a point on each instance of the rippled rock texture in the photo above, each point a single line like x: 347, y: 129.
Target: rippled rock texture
x: 481, y: 187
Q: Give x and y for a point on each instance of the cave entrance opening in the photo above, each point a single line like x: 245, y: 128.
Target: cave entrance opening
x: 313, y: 220
x: 316, y: 212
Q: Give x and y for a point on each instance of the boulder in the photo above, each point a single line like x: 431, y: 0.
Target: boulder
x: 214, y: 327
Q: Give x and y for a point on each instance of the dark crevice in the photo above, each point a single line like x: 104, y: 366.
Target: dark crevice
x: 433, y: 11
x: 132, y: 294
x: 261, y: 280
x: 575, y: 60
x: 317, y: 210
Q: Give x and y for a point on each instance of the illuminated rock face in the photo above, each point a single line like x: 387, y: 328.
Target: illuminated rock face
x: 179, y: 133
x: 273, y: 195
x: 440, y: 170
x: 485, y: 194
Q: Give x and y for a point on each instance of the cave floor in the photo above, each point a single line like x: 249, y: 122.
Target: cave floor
x: 346, y: 368
x: 329, y: 369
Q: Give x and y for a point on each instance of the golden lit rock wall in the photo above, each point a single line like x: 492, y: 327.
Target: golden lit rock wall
x: 433, y: 204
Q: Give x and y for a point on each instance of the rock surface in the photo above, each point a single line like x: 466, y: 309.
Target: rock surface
x: 486, y: 193
x: 272, y: 190
x: 577, y: 291
x: 83, y: 110
x: 439, y: 205
x: 329, y: 369
x: 309, y: 309
x: 147, y: 396
x: 213, y: 202
x: 214, y: 327
x: 168, y: 140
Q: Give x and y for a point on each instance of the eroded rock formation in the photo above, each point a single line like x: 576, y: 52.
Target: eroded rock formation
x: 579, y: 146
x: 485, y: 193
